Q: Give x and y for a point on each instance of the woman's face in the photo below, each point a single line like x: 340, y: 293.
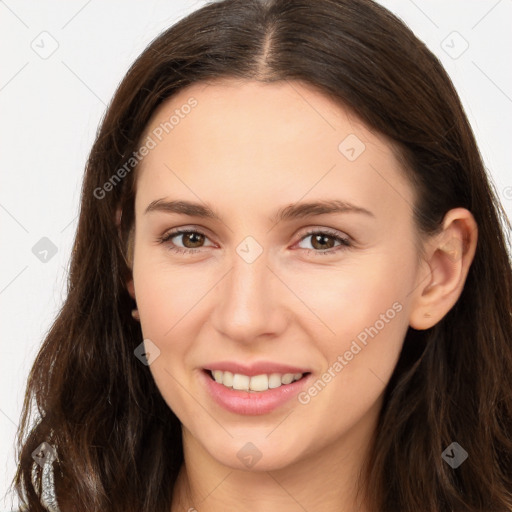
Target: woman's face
x: 272, y: 286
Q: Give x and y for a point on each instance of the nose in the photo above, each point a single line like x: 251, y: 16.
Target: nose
x: 250, y: 302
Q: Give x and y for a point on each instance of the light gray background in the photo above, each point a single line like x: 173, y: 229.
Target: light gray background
x: 51, y: 106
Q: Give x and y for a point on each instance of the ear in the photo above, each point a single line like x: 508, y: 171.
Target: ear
x: 449, y: 255
x: 129, y: 283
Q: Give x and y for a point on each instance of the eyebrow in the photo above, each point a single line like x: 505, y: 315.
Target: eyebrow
x: 289, y: 212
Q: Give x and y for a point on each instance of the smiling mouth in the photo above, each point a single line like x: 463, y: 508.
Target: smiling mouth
x: 256, y: 383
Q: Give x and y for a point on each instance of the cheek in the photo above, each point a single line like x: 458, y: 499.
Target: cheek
x: 368, y: 317
x: 165, y: 292
x: 358, y: 318
x: 166, y: 299
x: 347, y: 299
x: 167, y: 305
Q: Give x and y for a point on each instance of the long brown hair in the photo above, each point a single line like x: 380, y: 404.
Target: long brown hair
x: 118, y: 443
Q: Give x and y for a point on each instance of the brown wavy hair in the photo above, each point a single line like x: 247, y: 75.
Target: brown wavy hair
x: 118, y: 443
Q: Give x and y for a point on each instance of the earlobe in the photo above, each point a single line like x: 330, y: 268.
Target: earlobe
x: 119, y: 214
x: 449, y: 257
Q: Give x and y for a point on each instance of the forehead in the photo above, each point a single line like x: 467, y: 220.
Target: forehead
x: 267, y: 142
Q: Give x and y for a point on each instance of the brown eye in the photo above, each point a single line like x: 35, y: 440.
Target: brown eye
x: 322, y: 241
x: 192, y: 239
x: 325, y: 242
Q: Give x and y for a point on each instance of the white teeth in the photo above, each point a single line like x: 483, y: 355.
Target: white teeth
x: 274, y: 381
x: 261, y: 382
x: 227, y: 379
x: 287, y: 378
x: 241, y: 382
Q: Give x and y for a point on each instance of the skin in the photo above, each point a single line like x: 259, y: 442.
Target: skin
x: 247, y: 149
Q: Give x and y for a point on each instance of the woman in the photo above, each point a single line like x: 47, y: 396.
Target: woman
x: 289, y: 287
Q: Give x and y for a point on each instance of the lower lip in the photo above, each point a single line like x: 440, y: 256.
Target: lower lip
x: 255, y: 403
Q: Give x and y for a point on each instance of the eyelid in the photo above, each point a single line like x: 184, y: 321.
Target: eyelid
x: 345, y: 241
x: 308, y: 231
x: 171, y: 233
x: 328, y: 231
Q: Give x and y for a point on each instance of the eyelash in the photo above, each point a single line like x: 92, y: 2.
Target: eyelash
x: 344, y: 242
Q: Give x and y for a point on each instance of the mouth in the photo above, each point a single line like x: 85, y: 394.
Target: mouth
x: 253, y: 394
x: 256, y: 383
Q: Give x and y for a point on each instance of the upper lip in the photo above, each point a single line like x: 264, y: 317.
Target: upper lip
x: 256, y: 368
